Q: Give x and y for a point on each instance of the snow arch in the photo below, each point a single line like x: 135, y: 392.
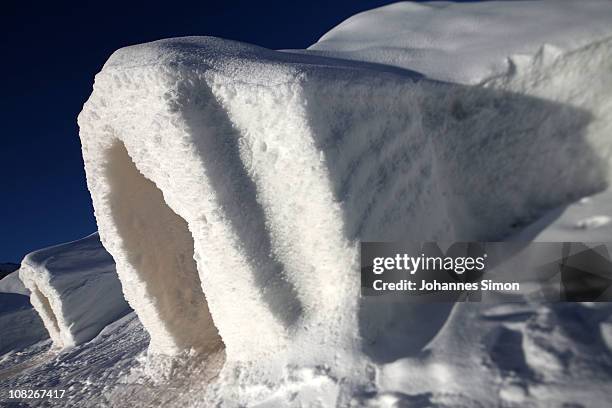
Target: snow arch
x: 269, y: 167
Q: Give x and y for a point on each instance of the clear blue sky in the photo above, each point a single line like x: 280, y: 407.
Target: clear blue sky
x: 50, y: 54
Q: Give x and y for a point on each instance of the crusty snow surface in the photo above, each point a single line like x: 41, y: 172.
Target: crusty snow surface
x: 232, y: 185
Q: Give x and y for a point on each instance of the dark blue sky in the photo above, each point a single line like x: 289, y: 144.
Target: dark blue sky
x: 50, y: 54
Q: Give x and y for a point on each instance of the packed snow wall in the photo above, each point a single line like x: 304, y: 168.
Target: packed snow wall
x: 74, y: 288
x: 232, y: 184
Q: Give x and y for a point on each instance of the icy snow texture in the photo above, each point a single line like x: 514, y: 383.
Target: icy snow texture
x: 74, y: 288
x: 465, y: 43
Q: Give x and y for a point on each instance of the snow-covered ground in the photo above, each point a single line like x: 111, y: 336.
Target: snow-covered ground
x: 85, y: 371
x: 232, y: 185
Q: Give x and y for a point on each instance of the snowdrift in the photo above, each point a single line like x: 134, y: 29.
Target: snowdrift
x: 232, y: 183
x: 465, y: 43
x: 74, y: 288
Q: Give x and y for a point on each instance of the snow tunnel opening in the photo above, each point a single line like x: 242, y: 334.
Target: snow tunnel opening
x: 48, y: 316
x: 163, y: 286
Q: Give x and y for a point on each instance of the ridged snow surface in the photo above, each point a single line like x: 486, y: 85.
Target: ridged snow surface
x: 74, y: 288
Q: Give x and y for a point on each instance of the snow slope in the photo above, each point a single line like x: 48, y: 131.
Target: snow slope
x: 86, y: 371
x: 74, y: 288
x: 465, y: 43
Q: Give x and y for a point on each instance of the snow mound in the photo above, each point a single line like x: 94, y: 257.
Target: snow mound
x: 74, y: 288
x: 466, y: 43
x: 232, y: 185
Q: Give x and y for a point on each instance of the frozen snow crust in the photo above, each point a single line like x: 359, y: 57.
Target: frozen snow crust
x: 74, y: 288
x: 232, y: 185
